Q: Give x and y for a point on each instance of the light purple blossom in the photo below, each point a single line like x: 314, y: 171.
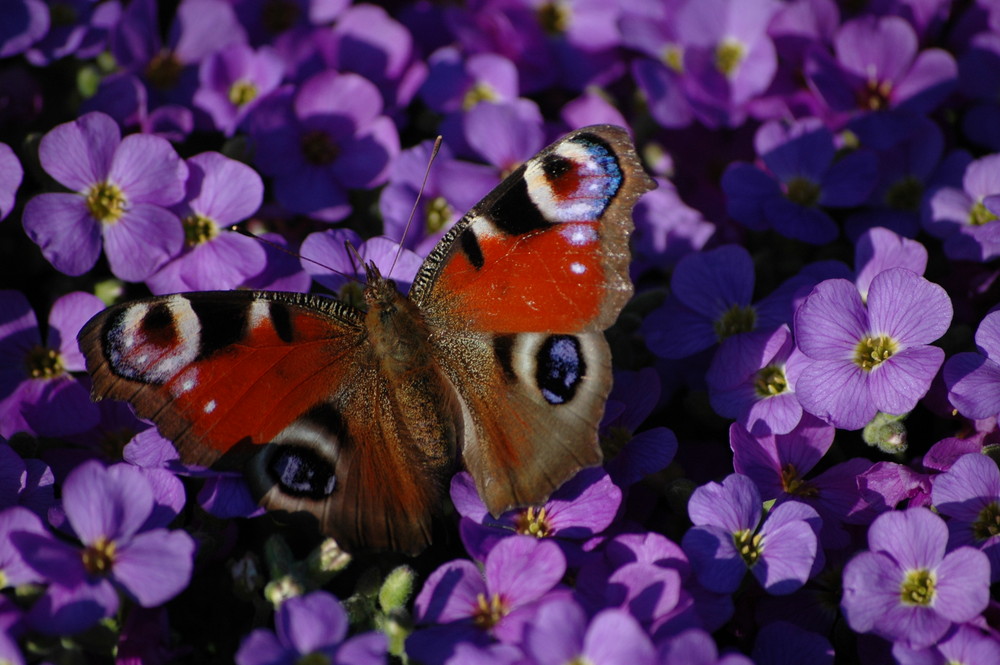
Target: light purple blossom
x: 11, y: 175
x: 906, y: 588
x: 970, y: 230
x: 561, y: 633
x: 969, y: 495
x: 234, y: 80
x: 111, y: 511
x: 874, y: 356
x: 121, y: 189
x: 37, y: 393
x: 731, y: 536
x: 973, y: 379
x: 696, y: 646
x: 311, y: 628
x: 220, y: 192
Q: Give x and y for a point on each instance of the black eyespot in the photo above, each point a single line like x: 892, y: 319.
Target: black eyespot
x: 560, y: 367
x: 299, y: 471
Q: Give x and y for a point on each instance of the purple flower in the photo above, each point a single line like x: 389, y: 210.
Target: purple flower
x: 322, y: 139
x: 25, y: 22
x: 870, y: 357
x: 581, y: 508
x: 905, y: 588
x: 561, y: 633
x: 778, y: 465
x: 14, y: 570
x: 728, y: 56
x: 979, y: 80
x: 125, y: 98
x: 879, y: 249
x: 964, y: 644
x: 752, y: 379
x: 969, y: 495
x: 25, y: 482
x: 803, y: 175
x: 973, y: 379
x: 696, y: 646
x: 710, y: 301
x: 37, y: 393
x: 877, y: 67
x: 666, y: 229
x: 79, y: 27
x: 456, y: 82
x: 730, y: 537
x: 121, y: 190
x: 327, y: 259
x: 234, y: 80
x: 452, y: 188
x: 505, y: 135
x: 961, y: 217
x: 469, y: 605
x: 652, y: 29
x: 11, y: 175
x: 220, y: 192
x: 110, y: 511
x: 311, y: 628
x: 283, y: 269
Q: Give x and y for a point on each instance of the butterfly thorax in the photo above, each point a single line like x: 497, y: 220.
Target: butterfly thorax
x: 395, y: 326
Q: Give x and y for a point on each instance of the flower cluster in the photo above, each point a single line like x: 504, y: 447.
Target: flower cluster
x: 817, y: 322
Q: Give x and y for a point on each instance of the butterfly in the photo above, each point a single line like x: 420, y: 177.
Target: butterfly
x: 358, y: 417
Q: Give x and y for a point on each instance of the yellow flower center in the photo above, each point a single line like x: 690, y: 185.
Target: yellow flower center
x: 554, y: 18
x: 905, y: 194
x: 199, y: 229
x: 164, y: 70
x: 748, y: 545
x: 533, y: 522
x: 480, y: 92
x: 437, y: 214
x: 44, y: 363
x: 875, y: 95
x: 279, y: 15
x: 988, y: 524
x: 736, y: 319
x: 770, y: 381
x: 917, y: 588
x: 873, y: 351
x: 106, y: 202
x: 728, y: 56
x: 489, y: 611
x: 980, y: 215
x: 242, y: 92
x: 793, y: 483
x: 99, y: 557
x: 673, y: 57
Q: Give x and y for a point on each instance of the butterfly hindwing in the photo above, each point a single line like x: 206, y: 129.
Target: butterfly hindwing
x: 521, y: 290
x: 275, y: 383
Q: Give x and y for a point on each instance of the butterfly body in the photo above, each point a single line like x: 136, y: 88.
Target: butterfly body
x: 497, y: 357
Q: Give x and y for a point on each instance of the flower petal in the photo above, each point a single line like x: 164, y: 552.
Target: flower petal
x: 62, y: 227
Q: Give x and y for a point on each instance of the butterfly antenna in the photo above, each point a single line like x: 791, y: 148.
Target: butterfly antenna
x: 278, y: 247
x: 416, y: 202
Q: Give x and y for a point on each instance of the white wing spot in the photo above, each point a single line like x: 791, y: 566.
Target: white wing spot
x: 577, y: 268
x: 210, y: 406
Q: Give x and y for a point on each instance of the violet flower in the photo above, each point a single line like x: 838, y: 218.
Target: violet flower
x: 121, y: 191
x: 906, y: 588
x: 870, y: 357
x: 973, y: 379
x: 37, y: 393
x: 730, y: 536
x: 960, y: 217
x: 969, y: 495
x: 109, y: 510
x: 11, y: 175
x: 311, y: 628
x: 561, y: 633
x: 234, y: 80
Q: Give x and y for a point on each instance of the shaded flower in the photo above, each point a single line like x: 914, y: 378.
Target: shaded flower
x: 973, y: 379
x: 561, y: 633
x: 874, y: 356
x: 37, y: 392
x: 877, y: 66
x: 233, y: 81
x: 879, y: 249
x: 14, y: 570
x: 779, y: 464
x: 110, y: 511
x: 78, y: 27
x: 730, y: 536
x: 321, y: 139
x: 803, y: 176
x: 311, y: 628
x: 781, y: 643
x: 905, y: 588
x: 581, y: 508
x: 969, y: 495
x: 121, y: 190
x: 458, y: 603
x: 960, y: 217
x: 696, y: 646
x: 25, y: 22
x: 964, y: 644
x: 11, y: 174
x: 220, y: 192
x: 327, y: 259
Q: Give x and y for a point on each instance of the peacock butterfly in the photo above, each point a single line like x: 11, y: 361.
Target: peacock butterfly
x: 358, y: 417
